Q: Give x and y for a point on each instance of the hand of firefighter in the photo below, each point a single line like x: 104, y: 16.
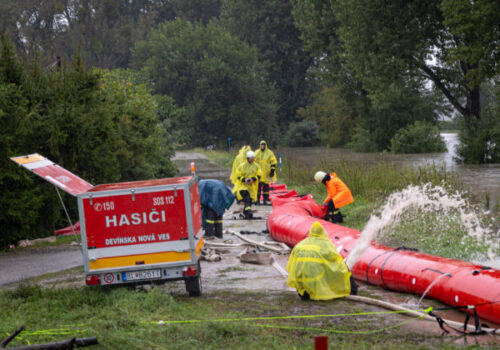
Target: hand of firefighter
x: 271, y: 174
x: 248, y: 180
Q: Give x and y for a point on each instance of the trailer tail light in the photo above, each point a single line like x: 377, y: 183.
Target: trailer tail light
x: 93, y: 280
x: 190, y: 271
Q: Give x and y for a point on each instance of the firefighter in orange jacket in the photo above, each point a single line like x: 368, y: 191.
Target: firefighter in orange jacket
x: 338, y: 195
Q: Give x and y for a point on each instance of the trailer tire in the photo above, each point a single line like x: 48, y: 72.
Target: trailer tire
x: 193, y: 286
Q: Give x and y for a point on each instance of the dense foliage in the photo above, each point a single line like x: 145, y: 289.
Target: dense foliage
x: 420, y: 137
x: 372, y: 46
x: 217, y: 79
x: 94, y: 123
x: 303, y: 134
x: 269, y: 26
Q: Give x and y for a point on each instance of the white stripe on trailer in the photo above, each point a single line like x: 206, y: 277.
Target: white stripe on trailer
x: 55, y: 182
x: 136, y: 249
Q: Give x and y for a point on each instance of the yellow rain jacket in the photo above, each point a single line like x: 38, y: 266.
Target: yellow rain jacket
x: 247, y: 170
x: 266, y: 160
x: 240, y: 158
x: 316, y: 267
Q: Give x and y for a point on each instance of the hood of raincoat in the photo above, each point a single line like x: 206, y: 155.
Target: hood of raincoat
x: 216, y: 195
x: 316, y: 267
x: 317, y: 231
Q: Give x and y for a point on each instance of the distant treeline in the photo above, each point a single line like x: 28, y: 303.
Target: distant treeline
x: 107, y: 88
x: 356, y: 73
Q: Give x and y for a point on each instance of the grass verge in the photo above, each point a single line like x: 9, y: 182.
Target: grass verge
x: 124, y: 318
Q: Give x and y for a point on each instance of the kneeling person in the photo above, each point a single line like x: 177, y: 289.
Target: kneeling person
x: 338, y: 195
x: 317, y: 270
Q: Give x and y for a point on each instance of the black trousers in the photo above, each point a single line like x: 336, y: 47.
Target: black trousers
x: 213, y: 222
x: 334, y: 215
x: 247, y: 200
x: 263, y: 188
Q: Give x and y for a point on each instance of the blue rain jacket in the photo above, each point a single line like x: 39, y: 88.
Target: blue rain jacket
x: 215, y: 195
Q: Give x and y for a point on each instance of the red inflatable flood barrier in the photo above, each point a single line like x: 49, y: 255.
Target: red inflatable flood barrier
x: 455, y: 282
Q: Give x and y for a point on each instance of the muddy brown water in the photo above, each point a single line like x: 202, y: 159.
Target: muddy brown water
x: 483, y: 179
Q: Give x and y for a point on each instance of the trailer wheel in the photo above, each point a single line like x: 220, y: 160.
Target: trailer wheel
x: 193, y: 286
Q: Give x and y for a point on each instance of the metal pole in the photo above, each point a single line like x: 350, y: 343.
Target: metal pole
x: 67, y: 215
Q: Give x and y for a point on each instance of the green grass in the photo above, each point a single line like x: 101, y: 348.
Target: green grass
x: 124, y: 318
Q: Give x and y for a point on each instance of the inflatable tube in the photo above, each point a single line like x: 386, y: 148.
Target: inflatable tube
x: 453, y: 282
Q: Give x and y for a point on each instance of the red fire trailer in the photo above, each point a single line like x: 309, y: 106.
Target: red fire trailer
x: 134, y: 232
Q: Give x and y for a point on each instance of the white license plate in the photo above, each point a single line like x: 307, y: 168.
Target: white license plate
x: 141, y: 275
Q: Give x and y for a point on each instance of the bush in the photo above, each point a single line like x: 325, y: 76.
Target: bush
x: 420, y: 137
x: 303, y: 134
x: 480, y: 139
x: 362, y: 142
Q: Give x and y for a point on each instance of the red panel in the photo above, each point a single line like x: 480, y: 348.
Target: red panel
x: 63, y: 179
x: 144, y: 183
x: 119, y: 220
x: 195, y: 207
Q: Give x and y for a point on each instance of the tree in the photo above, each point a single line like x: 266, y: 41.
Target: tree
x: 270, y: 27
x: 454, y: 44
x: 402, y: 106
x: 333, y: 113
x: 94, y: 123
x: 215, y: 77
x: 102, y: 32
x: 342, y: 98
x: 202, y: 11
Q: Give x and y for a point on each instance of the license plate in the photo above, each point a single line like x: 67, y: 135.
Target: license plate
x: 141, y: 275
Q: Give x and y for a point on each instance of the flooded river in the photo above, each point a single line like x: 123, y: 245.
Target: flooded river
x: 482, y: 179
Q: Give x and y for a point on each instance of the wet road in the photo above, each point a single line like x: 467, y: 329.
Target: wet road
x: 18, y: 265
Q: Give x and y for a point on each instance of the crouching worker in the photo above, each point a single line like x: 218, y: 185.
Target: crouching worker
x: 317, y: 270
x: 338, y: 195
x: 215, y: 198
x: 248, y: 174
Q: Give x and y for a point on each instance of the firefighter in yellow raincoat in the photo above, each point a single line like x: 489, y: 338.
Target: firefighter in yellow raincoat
x: 317, y: 270
x: 267, y: 161
x: 240, y: 158
x: 248, y: 175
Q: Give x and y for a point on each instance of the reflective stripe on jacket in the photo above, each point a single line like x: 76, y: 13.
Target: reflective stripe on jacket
x: 316, y: 267
x: 247, y: 170
x: 266, y: 160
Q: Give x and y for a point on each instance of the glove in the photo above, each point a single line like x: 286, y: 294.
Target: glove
x: 271, y: 173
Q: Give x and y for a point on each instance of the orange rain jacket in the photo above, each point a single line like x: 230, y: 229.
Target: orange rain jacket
x: 338, y: 192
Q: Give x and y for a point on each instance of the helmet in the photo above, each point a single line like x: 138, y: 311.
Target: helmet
x: 250, y: 154
x: 319, y: 176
